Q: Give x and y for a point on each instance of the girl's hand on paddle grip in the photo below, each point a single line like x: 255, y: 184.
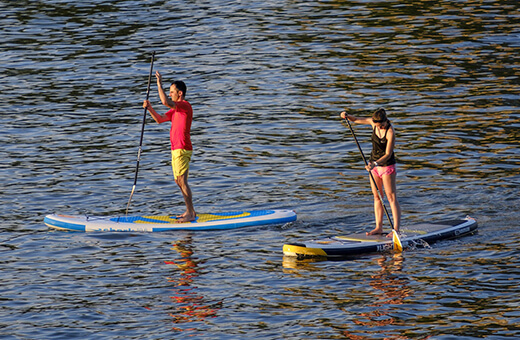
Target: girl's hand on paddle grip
x: 370, y: 166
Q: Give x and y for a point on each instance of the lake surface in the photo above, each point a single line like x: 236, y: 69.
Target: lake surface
x: 267, y: 81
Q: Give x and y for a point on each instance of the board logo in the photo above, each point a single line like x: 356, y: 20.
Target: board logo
x: 385, y: 247
x: 462, y: 231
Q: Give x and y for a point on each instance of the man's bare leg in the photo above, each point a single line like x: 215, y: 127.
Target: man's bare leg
x: 190, y: 214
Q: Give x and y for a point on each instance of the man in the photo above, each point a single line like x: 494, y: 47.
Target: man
x: 181, y: 116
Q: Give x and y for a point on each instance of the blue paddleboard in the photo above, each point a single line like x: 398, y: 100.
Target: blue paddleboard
x: 214, y: 221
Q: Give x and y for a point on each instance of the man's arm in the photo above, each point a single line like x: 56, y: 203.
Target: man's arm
x: 164, y: 98
x: 159, y: 118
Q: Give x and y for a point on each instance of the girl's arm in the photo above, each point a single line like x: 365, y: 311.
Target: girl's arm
x: 367, y: 121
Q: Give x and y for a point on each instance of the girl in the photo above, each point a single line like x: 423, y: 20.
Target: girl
x: 382, y: 165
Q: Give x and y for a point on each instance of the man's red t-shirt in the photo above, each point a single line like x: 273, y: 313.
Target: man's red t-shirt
x: 181, y: 118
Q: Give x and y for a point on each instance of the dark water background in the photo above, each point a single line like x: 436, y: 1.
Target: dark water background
x: 267, y: 80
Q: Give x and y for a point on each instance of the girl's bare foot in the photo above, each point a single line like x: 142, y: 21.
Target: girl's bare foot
x: 376, y: 231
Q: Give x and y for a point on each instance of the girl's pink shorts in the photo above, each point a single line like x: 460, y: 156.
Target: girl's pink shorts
x: 379, y: 171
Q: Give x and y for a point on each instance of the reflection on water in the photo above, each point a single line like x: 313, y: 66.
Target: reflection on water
x: 190, y: 306
x: 267, y: 80
x: 390, y: 290
x: 369, y: 299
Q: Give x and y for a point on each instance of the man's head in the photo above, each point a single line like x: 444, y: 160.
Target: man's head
x: 178, y: 90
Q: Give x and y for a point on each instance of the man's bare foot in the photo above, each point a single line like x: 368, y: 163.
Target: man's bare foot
x: 182, y: 215
x: 376, y: 231
x: 186, y: 218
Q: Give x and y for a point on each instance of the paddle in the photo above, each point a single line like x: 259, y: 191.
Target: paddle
x: 142, y: 134
x: 395, y: 238
x: 398, y: 246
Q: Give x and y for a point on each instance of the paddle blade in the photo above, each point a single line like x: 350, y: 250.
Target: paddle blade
x: 398, y: 246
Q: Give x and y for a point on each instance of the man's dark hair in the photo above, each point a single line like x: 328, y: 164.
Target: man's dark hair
x: 179, y: 84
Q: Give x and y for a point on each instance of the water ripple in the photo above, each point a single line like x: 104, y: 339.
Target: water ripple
x: 267, y: 81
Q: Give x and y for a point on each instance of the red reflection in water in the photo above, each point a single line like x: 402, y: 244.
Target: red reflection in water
x: 190, y: 306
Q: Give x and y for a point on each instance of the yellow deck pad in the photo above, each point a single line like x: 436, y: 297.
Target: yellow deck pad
x: 200, y: 218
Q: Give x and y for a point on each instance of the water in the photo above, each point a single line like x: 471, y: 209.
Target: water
x: 267, y: 81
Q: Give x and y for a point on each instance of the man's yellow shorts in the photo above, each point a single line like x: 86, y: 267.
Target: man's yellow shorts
x: 181, y: 161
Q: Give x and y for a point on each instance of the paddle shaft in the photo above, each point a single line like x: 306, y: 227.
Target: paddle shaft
x: 142, y: 134
x: 370, y: 173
